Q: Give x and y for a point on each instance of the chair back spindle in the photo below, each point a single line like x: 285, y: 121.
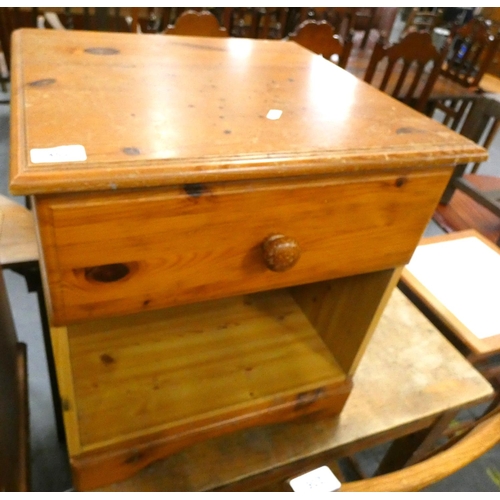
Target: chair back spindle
x: 407, y: 76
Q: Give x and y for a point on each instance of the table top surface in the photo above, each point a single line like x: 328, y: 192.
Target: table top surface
x: 160, y: 110
x: 408, y: 376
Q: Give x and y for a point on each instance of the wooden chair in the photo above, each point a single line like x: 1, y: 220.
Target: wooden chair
x: 193, y: 23
x: 475, y: 443
x: 481, y: 126
x: 472, y: 51
x: 423, y: 19
x: 473, y: 47
x: 412, y: 87
x: 342, y: 19
x: 14, y: 414
x: 451, y: 278
x: 256, y: 22
x: 19, y: 253
x: 85, y: 18
x: 319, y: 37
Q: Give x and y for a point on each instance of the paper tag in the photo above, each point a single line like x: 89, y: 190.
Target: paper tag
x: 59, y: 154
x: 274, y: 114
x: 321, y: 480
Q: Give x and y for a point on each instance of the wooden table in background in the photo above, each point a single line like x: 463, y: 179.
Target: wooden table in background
x: 221, y: 255
x: 408, y: 379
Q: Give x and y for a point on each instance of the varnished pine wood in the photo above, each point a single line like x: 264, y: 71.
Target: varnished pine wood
x: 406, y: 360
x: 328, y: 306
x: 221, y: 130
x: 148, y: 385
x: 17, y: 234
x: 185, y: 178
x: 175, y: 242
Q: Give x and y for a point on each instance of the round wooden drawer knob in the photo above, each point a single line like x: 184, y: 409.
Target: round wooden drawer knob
x: 280, y: 252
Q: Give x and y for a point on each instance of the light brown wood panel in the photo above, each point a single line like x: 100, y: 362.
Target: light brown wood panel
x: 331, y: 121
x: 17, y: 233
x: 148, y: 384
x: 197, y: 242
x: 345, y: 311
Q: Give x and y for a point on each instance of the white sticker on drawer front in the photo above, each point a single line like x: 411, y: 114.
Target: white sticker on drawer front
x: 274, y: 114
x: 59, y: 154
x: 319, y: 480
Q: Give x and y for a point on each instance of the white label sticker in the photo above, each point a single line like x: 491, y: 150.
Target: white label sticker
x: 321, y: 480
x: 274, y: 114
x: 59, y: 154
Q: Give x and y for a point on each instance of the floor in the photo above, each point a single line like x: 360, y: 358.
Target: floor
x: 50, y: 470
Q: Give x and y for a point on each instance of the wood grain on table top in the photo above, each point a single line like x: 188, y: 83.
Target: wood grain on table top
x: 157, y: 110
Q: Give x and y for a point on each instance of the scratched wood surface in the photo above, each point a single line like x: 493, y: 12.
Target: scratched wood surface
x: 184, y: 244
x: 147, y: 385
x: 409, y: 375
x: 150, y: 119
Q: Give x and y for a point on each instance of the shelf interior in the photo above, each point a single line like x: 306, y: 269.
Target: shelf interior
x: 178, y: 366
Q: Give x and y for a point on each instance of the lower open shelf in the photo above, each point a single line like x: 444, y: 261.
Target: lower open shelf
x: 165, y: 379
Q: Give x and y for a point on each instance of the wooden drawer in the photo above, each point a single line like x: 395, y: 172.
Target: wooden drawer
x: 169, y: 246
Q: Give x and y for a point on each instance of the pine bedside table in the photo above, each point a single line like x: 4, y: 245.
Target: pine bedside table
x: 221, y: 222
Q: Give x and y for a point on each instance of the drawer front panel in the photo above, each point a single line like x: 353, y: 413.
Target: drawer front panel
x: 108, y: 254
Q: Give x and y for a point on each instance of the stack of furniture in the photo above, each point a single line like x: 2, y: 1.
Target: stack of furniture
x: 191, y: 285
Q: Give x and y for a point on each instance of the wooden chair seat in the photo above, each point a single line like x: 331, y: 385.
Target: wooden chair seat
x: 17, y: 234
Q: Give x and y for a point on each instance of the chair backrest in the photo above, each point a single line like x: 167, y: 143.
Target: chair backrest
x: 193, y: 23
x: 416, y: 477
x: 14, y: 421
x: 319, y: 37
x: 481, y: 125
x: 12, y: 18
x: 84, y: 18
x: 413, y: 83
x: 472, y: 50
x: 100, y: 19
x: 256, y: 22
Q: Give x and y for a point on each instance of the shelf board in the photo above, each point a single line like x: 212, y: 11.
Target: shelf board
x: 181, y: 368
